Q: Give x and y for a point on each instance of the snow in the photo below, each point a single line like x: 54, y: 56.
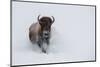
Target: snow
x: 72, y: 39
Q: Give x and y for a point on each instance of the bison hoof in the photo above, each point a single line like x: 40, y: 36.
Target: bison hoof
x: 44, y: 51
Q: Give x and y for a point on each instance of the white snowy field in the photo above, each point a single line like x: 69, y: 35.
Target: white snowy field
x: 73, y: 33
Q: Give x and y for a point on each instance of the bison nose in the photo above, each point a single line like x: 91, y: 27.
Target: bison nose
x: 46, y: 34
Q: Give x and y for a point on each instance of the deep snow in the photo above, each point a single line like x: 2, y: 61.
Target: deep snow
x: 73, y: 33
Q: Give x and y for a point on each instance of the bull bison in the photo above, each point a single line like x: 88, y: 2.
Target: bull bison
x: 39, y: 32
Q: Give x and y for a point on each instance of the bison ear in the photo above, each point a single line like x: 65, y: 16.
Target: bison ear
x: 52, y: 22
x: 40, y: 23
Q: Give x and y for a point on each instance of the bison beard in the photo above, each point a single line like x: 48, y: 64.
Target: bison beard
x: 40, y: 32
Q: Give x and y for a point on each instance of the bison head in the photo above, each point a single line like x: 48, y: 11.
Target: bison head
x: 45, y: 23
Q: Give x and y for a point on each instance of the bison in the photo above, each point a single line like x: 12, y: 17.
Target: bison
x: 40, y: 31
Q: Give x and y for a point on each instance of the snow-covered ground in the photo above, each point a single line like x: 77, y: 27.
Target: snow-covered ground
x: 73, y: 33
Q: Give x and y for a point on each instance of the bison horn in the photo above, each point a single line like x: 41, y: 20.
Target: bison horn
x: 53, y: 19
x: 38, y: 18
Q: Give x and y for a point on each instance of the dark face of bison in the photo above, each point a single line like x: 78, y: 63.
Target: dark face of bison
x: 46, y: 23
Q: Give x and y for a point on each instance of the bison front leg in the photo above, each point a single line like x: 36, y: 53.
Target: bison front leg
x: 40, y: 42
x: 41, y: 45
x: 48, y: 41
